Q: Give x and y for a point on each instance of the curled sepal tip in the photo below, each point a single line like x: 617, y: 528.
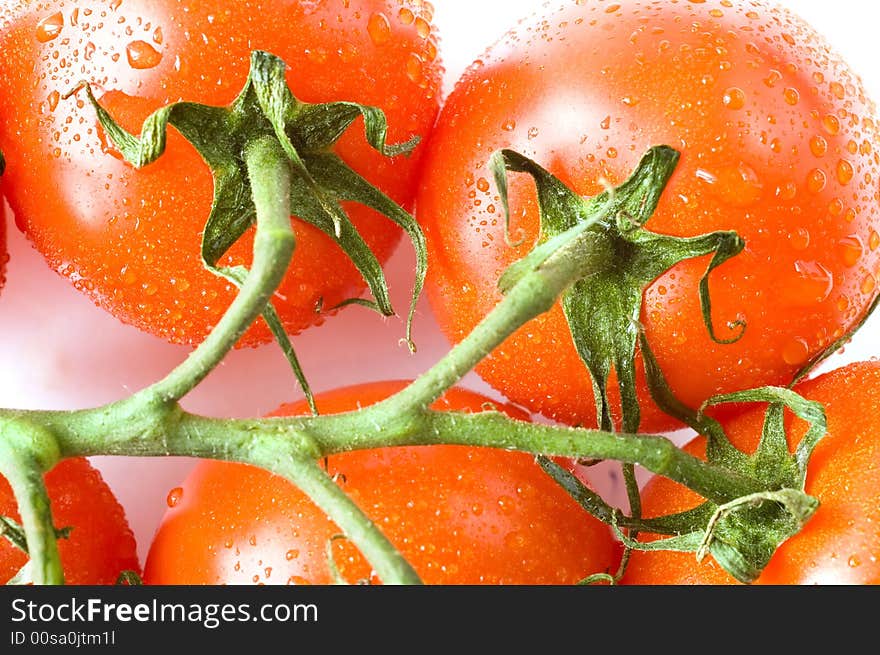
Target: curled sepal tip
x: 307, y: 133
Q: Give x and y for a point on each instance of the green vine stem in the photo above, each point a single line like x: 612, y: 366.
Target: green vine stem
x: 152, y: 423
x: 27, y: 451
x: 274, y: 242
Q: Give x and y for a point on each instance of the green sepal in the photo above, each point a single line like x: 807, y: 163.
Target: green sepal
x: 129, y: 578
x: 307, y: 133
x: 743, y: 535
x: 604, y: 307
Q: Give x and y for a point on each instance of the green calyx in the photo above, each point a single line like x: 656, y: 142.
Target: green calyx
x: 603, y: 308
x: 321, y: 181
x: 743, y: 534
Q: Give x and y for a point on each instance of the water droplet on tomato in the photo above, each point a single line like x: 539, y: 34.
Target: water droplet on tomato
x: 88, y: 51
x: 869, y: 284
x: 874, y: 240
x: 379, y: 28
x: 831, y: 124
x: 818, y: 146
x: 414, y: 69
x: 509, y: 125
x: 406, y: 16
x: 423, y: 27
x: 796, y: 352
x: 533, y: 132
x: 800, y: 238
x: 483, y: 184
x: 291, y: 554
x: 844, y: 172
x: 174, y: 496
x: 53, y: 100
x: 851, y: 250
x: 737, y: 185
x: 837, y: 90
x: 792, y: 96
x: 816, y: 180
x: 50, y: 27
x: 158, y: 37
x: 814, y: 283
x: 835, y: 207
x: 606, y: 123
x: 734, y: 98
x: 141, y: 55
x: 854, y: 562
x: 773, y: 78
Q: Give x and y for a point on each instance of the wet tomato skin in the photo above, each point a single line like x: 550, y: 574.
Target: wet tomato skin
x: 841, y: 542
x: 778, y: 143
x: 131, y: 239
x: 101, y: 544
x: 459, y: 515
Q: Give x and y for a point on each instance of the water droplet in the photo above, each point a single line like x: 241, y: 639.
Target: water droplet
x: 831, y: 124
x: 738, y: 185
x: 851, y: 250
x: 88, y: 51
x: 53, y: 100
x: 406, y: 16
x: 814, y: 283
x: 796, y: 352
x: 533, y: 132
x: 423, y: 27
x: 50, y: 27
x: 854, y: 562
x: 174, y: 496
x: 630, y: 101
x: 869, y: 284
x: 509, y: 125
x: 291, y: 554
x: 800, y: 238
x: 606, y: 123
x: 837, y: 90
x: 818, y: 146
x: 379, y: 28
x: 844, y: 172
x: 158, y: 37
x: 734, y: 98
x: 816, y: 180
x: 483, y: 184
x: 792, y: 96
x: 141, y: 55
x: 773, y: 78
x: 611, y: 153
x: 874, y: 240
x: 414, y: 68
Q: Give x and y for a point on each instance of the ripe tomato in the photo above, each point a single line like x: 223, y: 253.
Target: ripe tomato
x: 459, y: 515
x: 841, y: 542
x: 778, y: 143
x: 131, y: 239
x: 100, y: 545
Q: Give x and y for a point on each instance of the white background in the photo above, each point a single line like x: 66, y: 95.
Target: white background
x: 58, y: 351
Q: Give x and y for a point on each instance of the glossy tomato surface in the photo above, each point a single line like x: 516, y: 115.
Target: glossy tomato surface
x: 778, y: 143
x: 131, y: 239
x: 459, y: 515
x: 100, y: 545
x: 841, y: 542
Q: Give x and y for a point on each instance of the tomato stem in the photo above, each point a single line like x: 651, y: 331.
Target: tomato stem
x: 274, y: 243
x: 27, y: 451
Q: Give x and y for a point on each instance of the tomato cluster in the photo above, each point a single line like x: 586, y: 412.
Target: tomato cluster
x: 778, y: 141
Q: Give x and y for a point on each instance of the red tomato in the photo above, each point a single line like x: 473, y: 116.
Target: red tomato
x: 100, y: 545
x: 4, y: 256
x: 841, y: 542
x: 459, y: 515
x: 778, y: 143
x: 131, y: 239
